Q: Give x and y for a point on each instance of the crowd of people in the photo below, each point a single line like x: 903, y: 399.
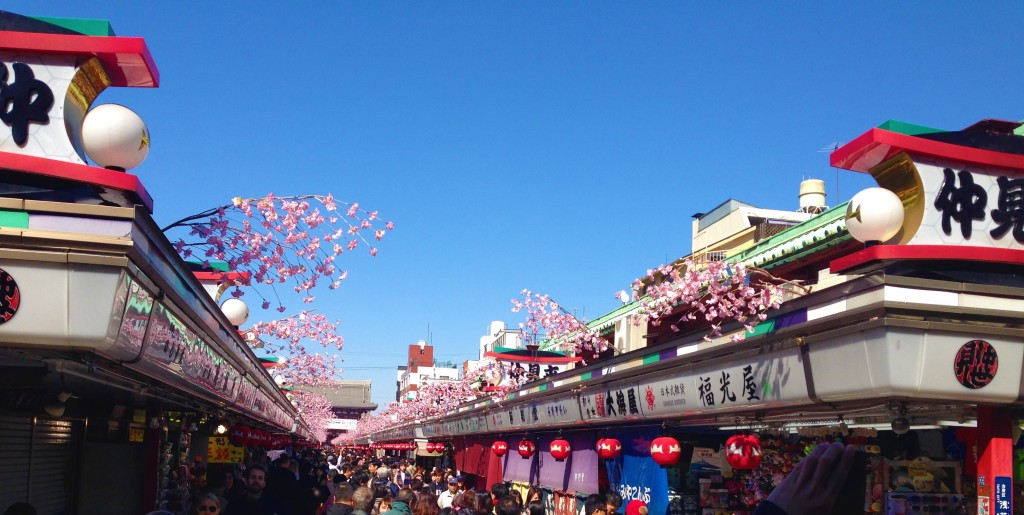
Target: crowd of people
x: 311, y: 484
x: 316, y: 484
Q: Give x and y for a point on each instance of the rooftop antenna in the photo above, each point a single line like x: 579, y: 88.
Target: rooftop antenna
x: 828, y: 149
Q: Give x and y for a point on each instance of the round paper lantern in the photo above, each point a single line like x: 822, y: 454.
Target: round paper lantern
x: 743, y: 452
x: 252, y: 436
x: 526, y: 448
x: 115, y: 137
x: 429, y: 447
x: 560, y: 449
x: 236, y: 310
x: 666, y: 451
x: 609, y: 448
x: 238, y: 435
x: 499, y: 448
x: 874, y: 215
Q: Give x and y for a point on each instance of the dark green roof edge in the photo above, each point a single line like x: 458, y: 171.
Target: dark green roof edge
x: 84, y: 26
x: 908, y: 128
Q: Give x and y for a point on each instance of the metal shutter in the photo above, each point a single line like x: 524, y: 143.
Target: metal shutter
x: 40, y: 462
x: 16, y: 449
x: 54, y: 465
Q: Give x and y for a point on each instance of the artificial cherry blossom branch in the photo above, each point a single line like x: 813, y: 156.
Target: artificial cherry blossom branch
x: 281, y: 239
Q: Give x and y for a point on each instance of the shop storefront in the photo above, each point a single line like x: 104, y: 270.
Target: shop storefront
x: 113, y: 356
x: 908, y: 347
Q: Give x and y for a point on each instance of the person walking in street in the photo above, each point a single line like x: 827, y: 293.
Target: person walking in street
x: 343, y: 500
x: 448, y: 496
x: 402, y: 505
x: 254, y: 501
x: 362, y: 501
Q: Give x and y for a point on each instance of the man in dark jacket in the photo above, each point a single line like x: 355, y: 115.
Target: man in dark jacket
x: 254, y: 501
x: 342, y: 500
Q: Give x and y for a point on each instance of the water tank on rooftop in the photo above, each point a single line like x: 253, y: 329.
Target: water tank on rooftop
x: 497, y: 326
x: 812, y: 196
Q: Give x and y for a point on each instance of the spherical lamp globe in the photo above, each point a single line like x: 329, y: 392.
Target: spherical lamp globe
x: 236, y: 310
x: 115, y: 137
x: 874, y: 215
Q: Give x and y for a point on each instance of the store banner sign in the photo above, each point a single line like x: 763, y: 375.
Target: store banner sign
x: 618, y: 402
x: 560, y: 411
x: 432, y: 430
x: 554, y: 412
x: 635, y: 475
x: 645, y: 480
x: 520, y: 469
x: 565, y: 503
x: 583, y: 464
x: 470, y: 425
x: 220, y: 450
x: 770, y: 380
x: 344, y: 424
x: 1003, y: 495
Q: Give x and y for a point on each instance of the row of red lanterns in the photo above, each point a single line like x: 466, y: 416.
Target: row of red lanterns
x: 244, y: 435
x: 434, y: 447
x: 742, y: 451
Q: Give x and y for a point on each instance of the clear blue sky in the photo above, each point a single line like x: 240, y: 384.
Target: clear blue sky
x: 556, y: 146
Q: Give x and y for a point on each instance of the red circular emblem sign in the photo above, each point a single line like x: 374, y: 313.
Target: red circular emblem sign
x: 976, y: 364
x: 10, y: 296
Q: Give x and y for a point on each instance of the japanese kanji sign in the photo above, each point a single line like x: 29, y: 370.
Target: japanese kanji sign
x: 970, y: 204
x: 770, y: 380
x: 219, y: 450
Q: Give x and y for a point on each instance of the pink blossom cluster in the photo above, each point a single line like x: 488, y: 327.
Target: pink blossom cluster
x: 315, y: 409
x: 440, y: 398
x: 560, y: 329
x: 274, y: 240
x: 314, y: 369
x: 291, y: 331
x: 715, y: 292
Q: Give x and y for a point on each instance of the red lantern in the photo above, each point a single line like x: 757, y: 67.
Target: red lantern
x: 252, y: 436
x: 609, y: 448
x: 499, y: 448
x: 526, y: 448
x: 666, y: 451
x: 560, y: 449
x: 237, y: 435
x: 429, y: 447
x: 743, y: 452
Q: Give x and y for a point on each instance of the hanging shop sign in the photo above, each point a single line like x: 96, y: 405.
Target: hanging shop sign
x: 10, y: 296
x: 220, y: 450
x: 610, y: 403
x: 560, y: 412
x: 917, y: 363
x: 770, y: 380
x: 434, y: 429
x: 976, y: 364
